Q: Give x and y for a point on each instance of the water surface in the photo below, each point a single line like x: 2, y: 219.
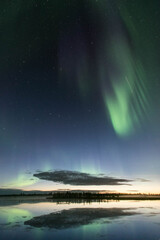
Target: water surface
x: 111, y: 220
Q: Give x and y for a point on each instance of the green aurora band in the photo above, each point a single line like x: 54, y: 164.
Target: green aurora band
x: 128, y: 102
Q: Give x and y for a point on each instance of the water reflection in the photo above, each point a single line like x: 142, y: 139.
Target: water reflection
x: 80, y: 220
x: 76, y: 217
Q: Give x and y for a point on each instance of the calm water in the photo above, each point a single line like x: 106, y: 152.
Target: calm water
x: 131, y: 220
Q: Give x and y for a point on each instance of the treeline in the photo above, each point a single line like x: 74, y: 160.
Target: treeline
x: 84, y: 195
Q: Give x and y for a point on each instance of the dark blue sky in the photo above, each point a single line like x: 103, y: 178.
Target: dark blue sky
x: 80, y: 91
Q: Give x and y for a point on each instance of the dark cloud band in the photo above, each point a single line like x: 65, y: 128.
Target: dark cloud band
x: 78, y: 178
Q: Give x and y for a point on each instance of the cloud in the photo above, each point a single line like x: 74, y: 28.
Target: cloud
x: 77, y: 217
x: 133, y: 191
x: 142, y: 180
x: 80, y: 179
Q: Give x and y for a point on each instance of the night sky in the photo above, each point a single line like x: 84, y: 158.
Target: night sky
x: 79, y: 92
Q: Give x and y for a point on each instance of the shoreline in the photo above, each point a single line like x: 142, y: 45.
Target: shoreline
x: 52, y: 198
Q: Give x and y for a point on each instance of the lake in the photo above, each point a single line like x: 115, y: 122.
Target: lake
x: 109, y: 220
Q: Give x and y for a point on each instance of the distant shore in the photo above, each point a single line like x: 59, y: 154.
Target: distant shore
x: 78, y: 197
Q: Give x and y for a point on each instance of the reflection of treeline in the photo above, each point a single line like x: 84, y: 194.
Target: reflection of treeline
x: 78, y: 200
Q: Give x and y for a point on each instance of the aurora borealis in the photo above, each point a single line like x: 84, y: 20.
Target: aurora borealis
x: 80, y: 92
